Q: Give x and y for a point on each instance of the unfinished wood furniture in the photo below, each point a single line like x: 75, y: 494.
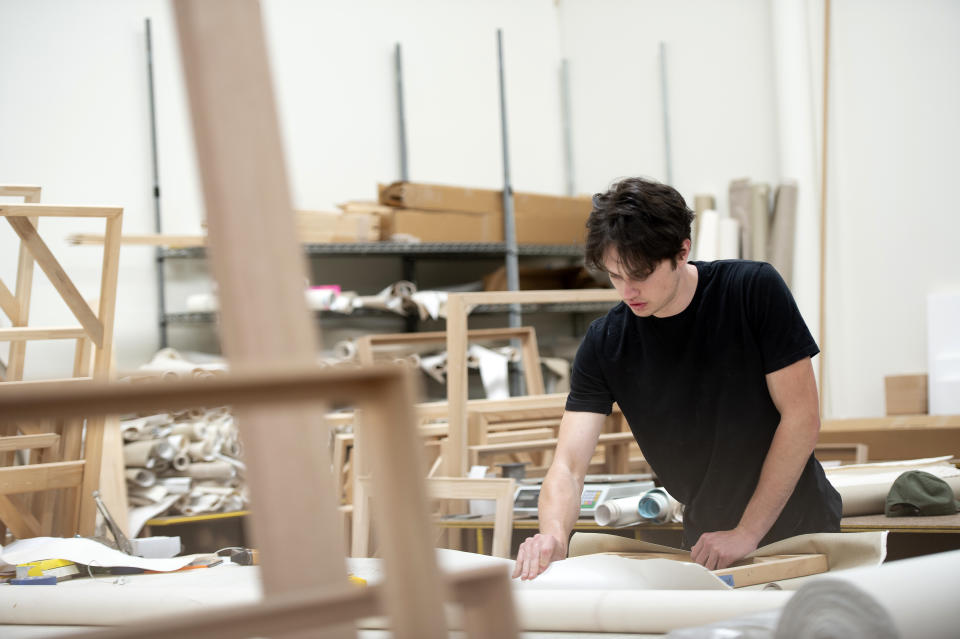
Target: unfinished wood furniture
x: 843, y: 453
x: 411, y: 595
x: 899, y: 437
x: 459, y: 306
x: 501, y: 490
x: 527, y: 335
x: 67, y: 463
x: 265, y: 327
x: 750, y: 571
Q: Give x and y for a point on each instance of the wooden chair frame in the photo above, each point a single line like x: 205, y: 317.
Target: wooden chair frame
x: 459, y: 306
x: 500, y: 490
x: 411, y: 595
x: 533, y: 376
x: 76, y: 513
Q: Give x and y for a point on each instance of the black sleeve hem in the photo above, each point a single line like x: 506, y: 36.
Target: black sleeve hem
x: 807, y: 351
x: 578, y: 406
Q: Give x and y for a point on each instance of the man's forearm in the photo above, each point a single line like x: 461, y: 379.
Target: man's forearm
x: 791, y: 447
x: 559, y: 503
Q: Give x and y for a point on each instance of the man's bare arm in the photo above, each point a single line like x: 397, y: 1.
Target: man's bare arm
x: 559, y: 503
x: 793, y: 390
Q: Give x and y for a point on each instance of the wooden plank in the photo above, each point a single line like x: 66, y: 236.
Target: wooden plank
x: 24, y: 288
x: 530, y: 358
x: 58, y: 277
x: 25, y: 479
x: 52, y: 210
x: 171, y: 241
x: 606, y: 439
x: 21, y: 523
x: 8, y: 302
x: 455, y: 462
x: 567, y: 296
x: 27, y: 333
x: 30, y: 192
x: 29, y: 442
x: 264, y: 321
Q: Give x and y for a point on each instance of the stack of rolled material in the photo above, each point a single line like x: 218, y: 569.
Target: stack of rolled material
x: 907, y: 598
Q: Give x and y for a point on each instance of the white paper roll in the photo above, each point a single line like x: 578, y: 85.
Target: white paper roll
x: 708, y: 236
x: 618, y: 512
x: 728, y: 244
x: 908, y: 598
x: 140, y: 477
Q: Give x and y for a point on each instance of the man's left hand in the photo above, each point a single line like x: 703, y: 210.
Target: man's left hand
x: 715, y: 550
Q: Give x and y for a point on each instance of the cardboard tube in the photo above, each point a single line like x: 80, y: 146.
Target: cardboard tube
x: 140, y: 477
x: 211, y: 470
x: 181, y: 462
x: 618, y: 512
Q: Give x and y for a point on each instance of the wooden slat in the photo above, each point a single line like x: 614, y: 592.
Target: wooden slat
x: 24, y: 289
x: 172, y: 241
x: 568, y: 296
x: 8, y: 302
x: 58, y: 277
x: 20, y: 522
x: 606, y: 439
x: 25, y: 479
x: 455, y: 461
x: 29, y: 442
x: 500, y: 490
x: 53, y: 210
x: 27, y: 333
x: 30, y: 192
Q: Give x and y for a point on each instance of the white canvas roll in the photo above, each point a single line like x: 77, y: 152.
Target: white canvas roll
x: 759, y: 220
x: 915, y: 598
x: 728, y: 243
x: 864, y: 487
x: 618, y: 512
x: 708, y: 236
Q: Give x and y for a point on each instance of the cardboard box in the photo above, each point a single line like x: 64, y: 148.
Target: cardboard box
x: 318, y: 227
x: 444, y: 226
x: 906, y: 394
x: 539, y: 219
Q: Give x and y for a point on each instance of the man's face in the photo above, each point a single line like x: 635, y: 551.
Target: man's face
x: 655, y: 294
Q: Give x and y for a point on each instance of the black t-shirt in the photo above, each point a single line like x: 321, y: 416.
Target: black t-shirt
x: 693, y: 389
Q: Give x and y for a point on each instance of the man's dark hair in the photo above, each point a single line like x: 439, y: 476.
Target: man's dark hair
x: 646, y: 222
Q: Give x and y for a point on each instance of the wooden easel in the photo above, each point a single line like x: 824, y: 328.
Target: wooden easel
x: 61, y: 465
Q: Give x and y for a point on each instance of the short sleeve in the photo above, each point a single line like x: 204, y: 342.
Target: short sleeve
x: 780, y: 330
x: 589, y: 391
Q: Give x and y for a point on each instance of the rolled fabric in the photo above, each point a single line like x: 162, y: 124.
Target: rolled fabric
x: 140, y: 477
x: 181, y: 462
x: 759, y: 220
x: 864, y: 487
x: 708, y: 236
x: 728, y: 243
x: 211, y: 470
x: 345, y: 349
x: 907, y: 598
x: 618, y: 512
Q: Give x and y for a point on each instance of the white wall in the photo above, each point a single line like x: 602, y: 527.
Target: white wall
x: 74, y: 119
x: 894, y: 219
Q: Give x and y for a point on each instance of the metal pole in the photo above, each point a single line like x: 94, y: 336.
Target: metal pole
x: 565, y: 114
x: 401, y: 116
x: 509, y: 226
x: 666, y: 112
x: 158, y: 256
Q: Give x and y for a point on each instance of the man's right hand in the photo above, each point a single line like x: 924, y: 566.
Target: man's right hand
x: 536, y: 553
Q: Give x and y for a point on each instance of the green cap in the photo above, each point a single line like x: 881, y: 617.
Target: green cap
x: 916, y: 492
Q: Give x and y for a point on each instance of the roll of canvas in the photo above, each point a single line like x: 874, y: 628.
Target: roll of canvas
x: 181, y: 462
x: 139, y: 453
x: 659, y: 507
x: 140, y: 477
x: 864, y: 487
x: 907, y: 598
x: 345, y: 349
x: 728, y: 242
x: 701, y: 203
x: 211, y: 470
x: 783, y: 228
x: 618, y: 512
x: 759, y: 220
x: 740, y: 197
x: 708, y: 236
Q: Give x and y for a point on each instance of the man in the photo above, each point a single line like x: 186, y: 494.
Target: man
x: 710, y: 364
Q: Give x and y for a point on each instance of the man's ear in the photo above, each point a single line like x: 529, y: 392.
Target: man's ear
x: 684, y: 253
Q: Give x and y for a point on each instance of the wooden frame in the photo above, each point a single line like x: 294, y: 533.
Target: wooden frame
x: 533, y: 376
x: 76, y: 513
x: 412, y: 593
x: 500, y: 490
x: 224, y: 55
x: 459, y: 306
